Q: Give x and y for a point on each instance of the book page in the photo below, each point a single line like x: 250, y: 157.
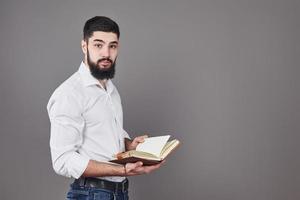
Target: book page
x: 168, y: 148
x: 145, y: 155
x: 153, y: 145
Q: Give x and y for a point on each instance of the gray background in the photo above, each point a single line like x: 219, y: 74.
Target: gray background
x: 221, y: 76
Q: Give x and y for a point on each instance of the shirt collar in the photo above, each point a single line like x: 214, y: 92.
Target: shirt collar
x: 89, y: 80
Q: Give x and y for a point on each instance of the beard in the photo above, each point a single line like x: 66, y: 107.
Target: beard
x: 99, y: 73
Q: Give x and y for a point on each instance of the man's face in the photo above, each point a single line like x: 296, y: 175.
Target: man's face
x: 101, y: 52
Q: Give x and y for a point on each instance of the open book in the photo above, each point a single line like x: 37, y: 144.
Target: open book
x: 152, y: 151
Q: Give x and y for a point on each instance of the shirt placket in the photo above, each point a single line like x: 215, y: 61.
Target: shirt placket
x: 117, y: 126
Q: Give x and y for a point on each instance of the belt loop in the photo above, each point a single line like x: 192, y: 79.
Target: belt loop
x: 116, y: 188
x: 123, y: 186
x: 81, y: 182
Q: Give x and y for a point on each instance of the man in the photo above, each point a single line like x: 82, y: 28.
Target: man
x: 87, y: 121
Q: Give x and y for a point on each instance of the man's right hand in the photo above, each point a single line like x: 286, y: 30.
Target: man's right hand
x: 132, y: 169
x: 132, y: 144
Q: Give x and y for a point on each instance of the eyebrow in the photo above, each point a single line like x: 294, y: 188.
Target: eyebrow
x: 99, y: 40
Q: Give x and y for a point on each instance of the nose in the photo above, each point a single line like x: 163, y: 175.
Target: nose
x: 105, y: 52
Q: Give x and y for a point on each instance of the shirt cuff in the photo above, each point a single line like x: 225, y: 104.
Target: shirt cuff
x: 77, y: 165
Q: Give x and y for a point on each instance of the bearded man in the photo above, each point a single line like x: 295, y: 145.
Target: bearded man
x: 86, y: 118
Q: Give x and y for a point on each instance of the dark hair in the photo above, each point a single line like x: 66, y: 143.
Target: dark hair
x: 99, y: 23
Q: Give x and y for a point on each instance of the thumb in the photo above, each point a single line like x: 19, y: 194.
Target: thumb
x: 141, y: 138
x: 132, y: 166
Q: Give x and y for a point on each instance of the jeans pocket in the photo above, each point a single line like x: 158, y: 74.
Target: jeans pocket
x: 103, y: 195
x: 78, y: 194
x: 126, y: 197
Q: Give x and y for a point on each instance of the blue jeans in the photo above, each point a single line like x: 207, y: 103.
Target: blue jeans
x: 88, y: 193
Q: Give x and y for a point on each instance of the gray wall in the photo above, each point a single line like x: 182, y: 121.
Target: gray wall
x: 221, y: 76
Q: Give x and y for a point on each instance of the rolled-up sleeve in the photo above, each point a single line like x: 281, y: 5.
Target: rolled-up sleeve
x: 125, y: 134
x: 66, y: 137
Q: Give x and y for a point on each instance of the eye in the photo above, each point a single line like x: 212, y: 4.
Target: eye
x: 113, y: 46
x: 98, y: 45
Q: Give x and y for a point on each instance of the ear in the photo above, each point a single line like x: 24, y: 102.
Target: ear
x: 84, y: 46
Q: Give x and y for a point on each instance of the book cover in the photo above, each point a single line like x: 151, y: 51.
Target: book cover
x: 152, y: 151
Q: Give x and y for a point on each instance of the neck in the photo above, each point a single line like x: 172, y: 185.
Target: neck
x: 103, y: 83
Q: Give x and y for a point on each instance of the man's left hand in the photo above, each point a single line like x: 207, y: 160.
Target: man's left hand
x: 133, y: 169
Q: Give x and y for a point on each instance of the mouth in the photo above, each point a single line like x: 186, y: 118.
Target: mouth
x: 104, y: 64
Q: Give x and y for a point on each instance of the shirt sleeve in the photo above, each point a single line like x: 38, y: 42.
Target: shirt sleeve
x: 125, y: 134
x: 66, y: 135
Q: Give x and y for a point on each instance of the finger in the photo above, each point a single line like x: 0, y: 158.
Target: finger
x: 158, y: 165
x: 139, y: 139
x: 162, y: 162
x: 135, y: 165
x: 143, y: 137
x: 139, y: 164
x: 151, y: 168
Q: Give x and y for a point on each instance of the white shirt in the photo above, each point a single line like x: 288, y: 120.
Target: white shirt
x: 86, y: 123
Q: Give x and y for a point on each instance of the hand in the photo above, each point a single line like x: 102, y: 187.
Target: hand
x: 137, y: 168
x: 132, y: 144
